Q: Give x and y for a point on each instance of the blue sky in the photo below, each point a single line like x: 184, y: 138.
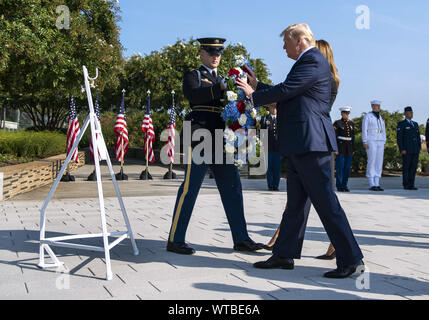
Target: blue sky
x: 388, y: 62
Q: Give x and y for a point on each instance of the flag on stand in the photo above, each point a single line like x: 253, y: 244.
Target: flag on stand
x: 97, y: 113
x: 121, y: 132
x: 73, y: 131
x: 171, y: 133
x: 147, y: 128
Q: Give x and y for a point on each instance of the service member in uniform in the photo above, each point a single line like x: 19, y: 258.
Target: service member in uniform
x: 345, y: 132
x: 275, y: 158
x: 204, y: 88
x: 409, y: 143
x: 374, y: 141
x: 427, y: 134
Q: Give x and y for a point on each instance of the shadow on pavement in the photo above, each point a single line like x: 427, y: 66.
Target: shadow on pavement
x: 25, y: 241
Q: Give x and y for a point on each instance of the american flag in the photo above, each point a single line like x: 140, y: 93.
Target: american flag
x: 97, y: 113
x: 121, y: 132
x: 73, y: 131
x: 171, y: 133
x: 147, y: 128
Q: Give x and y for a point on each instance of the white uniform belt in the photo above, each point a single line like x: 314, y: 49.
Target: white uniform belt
x: 345, y: 138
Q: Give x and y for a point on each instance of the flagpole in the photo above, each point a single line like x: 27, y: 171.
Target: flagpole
x: 145, y: 175
x: 170, y: 174
x: 121, y: 175
x: 122, y: 151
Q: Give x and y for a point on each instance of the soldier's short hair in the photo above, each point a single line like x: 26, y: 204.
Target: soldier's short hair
x: 299, y: 31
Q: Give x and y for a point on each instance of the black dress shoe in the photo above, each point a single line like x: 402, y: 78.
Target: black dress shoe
x: 379, y: 188
x: 373, y: 189
x: 341, y: 273
x: 180, y: 248
x: 248, y: 245
x: 340, y: 189
x: 275, y: 263
x: 275, y: 189
x: 413, y: 188
x: 346, y: 190
x: 327, y: 257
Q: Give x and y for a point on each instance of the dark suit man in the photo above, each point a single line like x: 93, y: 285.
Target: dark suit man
x: 204, y: 90
x: 307, y: 139
x: 275, y: 158
x: 409, y: 143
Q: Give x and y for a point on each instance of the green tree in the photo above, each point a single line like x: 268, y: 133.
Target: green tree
x: 40, y: 64
x: 161, y: 72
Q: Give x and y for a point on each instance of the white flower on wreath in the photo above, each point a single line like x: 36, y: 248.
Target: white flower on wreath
x: 254, y: 113
x: 239, y: 60
x: 239, y: 163
x: 242, y: 120
x: 229, y: 148
x: 231, y: 96
x: 229, y: 135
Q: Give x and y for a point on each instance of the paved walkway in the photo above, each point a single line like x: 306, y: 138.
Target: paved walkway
x: 391, y: 227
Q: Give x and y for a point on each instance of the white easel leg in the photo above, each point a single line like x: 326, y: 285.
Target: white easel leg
x: 48, y: 198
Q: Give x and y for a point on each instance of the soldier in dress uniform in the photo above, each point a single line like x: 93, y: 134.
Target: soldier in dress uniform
x: 204, y: 88
x: 345, y: 132
x: 275, y: 158
x: 374, y: 141
x: 409, y: 143
x: 427, y: 134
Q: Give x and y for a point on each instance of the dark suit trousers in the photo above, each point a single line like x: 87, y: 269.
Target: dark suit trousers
x: 409, y: 168
x: 309, y: 175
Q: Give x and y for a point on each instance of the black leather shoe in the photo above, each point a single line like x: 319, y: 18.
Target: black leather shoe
x: 275, y: 189
x: 346, y: 190
x: 341, y: 273
x: 326, y: 257
x: 379, y: 188
x: 275, y: 263
x: 340, y: 189
x: 413, y: 188
x: 180, y: 248
x: 373, y: 189
x: 248, y: 245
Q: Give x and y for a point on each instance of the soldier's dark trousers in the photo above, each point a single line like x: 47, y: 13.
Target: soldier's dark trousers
x: 342, y: 166
x: 409, y: 168
x: 274, y: 169
x: 229, y: 185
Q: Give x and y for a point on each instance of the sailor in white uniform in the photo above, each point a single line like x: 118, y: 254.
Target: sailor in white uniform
x: 374, y: 141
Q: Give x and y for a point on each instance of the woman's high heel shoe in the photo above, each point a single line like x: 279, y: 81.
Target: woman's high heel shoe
x: 267, y: 247
x: 332, y: 256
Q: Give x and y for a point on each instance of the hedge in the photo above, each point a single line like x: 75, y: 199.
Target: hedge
x: 31, y: 144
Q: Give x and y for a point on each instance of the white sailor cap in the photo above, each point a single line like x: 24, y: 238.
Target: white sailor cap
x: 375, y: 102
x: 346, y: 109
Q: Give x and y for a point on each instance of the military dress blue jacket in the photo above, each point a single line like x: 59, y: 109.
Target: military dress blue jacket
x: 408, y: 137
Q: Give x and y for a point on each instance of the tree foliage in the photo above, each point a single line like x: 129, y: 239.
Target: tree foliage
x: 162, y: 71
x: 40, y: 64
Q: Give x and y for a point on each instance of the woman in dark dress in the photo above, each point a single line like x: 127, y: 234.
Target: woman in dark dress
x: 325, y: 48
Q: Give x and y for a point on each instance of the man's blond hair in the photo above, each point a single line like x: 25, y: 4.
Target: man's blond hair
x: 299, y: 31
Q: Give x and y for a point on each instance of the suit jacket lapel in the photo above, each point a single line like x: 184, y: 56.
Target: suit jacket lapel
x: 207, y: 74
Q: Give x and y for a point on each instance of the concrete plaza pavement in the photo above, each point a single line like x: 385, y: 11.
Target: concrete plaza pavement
x: 392, y: 228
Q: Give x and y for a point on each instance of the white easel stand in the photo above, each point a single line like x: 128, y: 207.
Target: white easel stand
x: 99, y: 151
